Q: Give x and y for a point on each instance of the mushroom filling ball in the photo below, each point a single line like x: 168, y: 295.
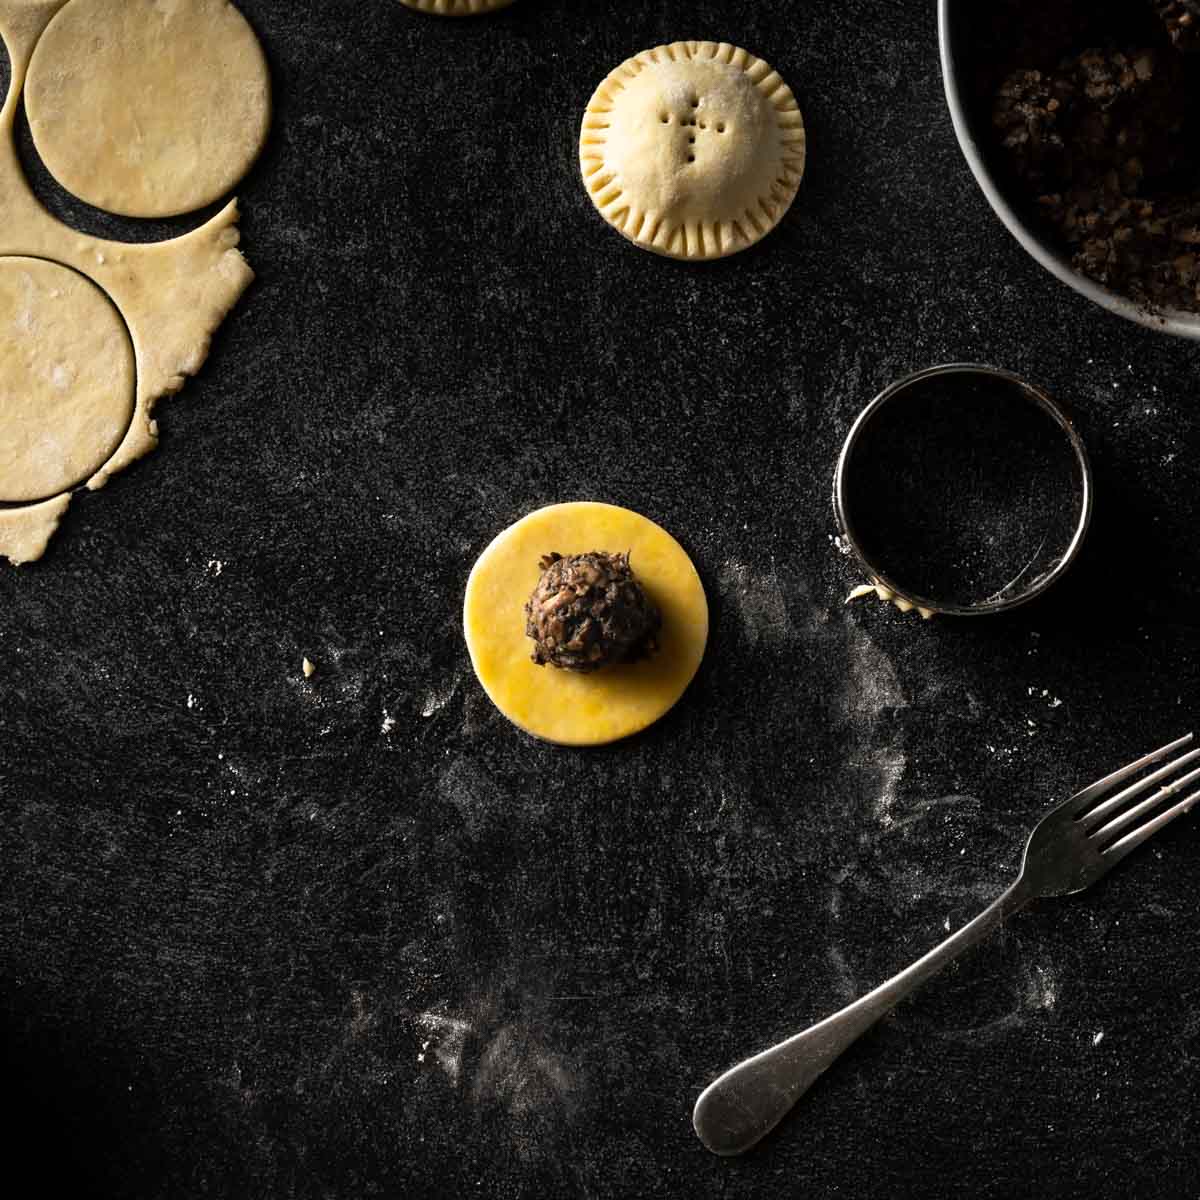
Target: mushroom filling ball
x: 589, y: 611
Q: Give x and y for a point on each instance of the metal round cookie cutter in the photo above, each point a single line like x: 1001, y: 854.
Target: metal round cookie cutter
x: 1046, y: 564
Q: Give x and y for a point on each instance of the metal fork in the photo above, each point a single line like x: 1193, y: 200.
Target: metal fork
x: 1072, y: 846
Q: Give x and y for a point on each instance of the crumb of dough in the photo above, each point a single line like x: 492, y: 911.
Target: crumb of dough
x: 309, y: 668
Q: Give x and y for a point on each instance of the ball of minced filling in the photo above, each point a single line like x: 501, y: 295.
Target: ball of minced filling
x: 589, y: 611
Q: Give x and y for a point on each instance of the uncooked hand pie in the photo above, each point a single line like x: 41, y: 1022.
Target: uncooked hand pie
x: 584, y: 706
x: 456, y: 8
x: 693, y: 150
x: 144, y: 107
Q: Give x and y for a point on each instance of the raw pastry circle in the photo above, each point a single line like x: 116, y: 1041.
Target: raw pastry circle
x: 66, y: 379
x: 563, y: 706
x: 148, y: 108
x: 693, y: 150
x: 456, y: 8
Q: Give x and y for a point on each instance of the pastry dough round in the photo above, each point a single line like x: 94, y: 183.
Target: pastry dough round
x: 693, y: 150
x: 456, y: 8
x: 566, y: 707
x: 148, y: 108
x: 66, y: 379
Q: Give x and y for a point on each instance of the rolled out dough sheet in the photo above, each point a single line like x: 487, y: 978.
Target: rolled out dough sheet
x: 171, y: 296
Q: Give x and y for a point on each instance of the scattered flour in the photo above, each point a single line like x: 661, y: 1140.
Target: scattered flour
x: 532, y: 1085
x: 345, y: 670
x: 520, y: 1073
x: 1041, y: 989
x: 465, y: 785
x: 438, y: 698
x: 891, y: 764
x: 758, y: 601
x: 361, y: 1019
x: 873, y: 689
x: 516, y: 1074
x: 846, y: 984
x: 835, y: 893
x: 448, y: 1035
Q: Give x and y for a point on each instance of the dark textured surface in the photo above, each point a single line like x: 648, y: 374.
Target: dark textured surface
x: 356, y: 936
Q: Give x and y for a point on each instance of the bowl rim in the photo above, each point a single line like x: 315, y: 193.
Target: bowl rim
x: 1173, y: 321
x: 1037, y: 396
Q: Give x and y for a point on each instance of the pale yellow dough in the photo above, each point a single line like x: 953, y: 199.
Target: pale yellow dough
x: 564, y: 706
x: 66, y: 379
x: 171, y: 295
x: 456, y: 8
x: 148, y: 108
x: 693, y: 150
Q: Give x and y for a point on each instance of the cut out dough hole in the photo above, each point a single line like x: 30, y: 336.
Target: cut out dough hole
x: 691, y: 158
x: 720, y: 128
x: 666, y: 120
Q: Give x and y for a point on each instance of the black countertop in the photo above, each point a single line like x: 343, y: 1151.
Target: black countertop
x: 357, y: 936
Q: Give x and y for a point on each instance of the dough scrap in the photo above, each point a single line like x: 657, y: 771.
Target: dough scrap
x: 172, y: 295
x: 567, y: 707
x: 885, y: 593
x: 148, y: 108
x: 66, y: 379
x: 693, y: 150
x: 456, y: 8
x: 24, y: 532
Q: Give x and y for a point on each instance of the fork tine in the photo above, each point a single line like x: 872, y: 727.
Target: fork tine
x: 1128, y: 817
x: 1110, y: 806
x: 1131, y: 841
x: 1102, y: 786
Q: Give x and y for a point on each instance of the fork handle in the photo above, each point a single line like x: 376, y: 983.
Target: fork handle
x: 749, y: 1100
